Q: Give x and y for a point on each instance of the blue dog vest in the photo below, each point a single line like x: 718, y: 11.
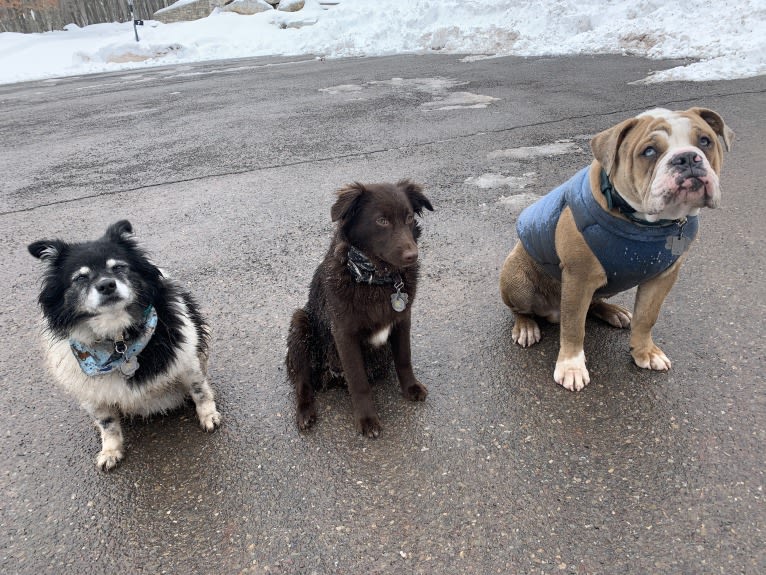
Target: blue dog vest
x: 629, y: 253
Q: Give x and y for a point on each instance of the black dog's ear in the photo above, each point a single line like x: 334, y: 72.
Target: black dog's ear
x: 119, y: 230
x: 347, y: 202
x: 46, y: 250
x: 415, y: 194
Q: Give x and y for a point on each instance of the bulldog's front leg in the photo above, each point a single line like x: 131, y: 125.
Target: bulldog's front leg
x: 570, y: 371
x: 581, y: 276
x: 649, y: 299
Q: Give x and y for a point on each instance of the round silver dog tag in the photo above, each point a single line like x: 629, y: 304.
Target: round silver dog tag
x: 399, y: 301
x: 129, y: 367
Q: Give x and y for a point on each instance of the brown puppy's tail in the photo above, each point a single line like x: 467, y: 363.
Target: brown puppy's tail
x: 298, y: 363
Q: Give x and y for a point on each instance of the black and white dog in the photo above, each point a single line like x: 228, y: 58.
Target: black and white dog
x: 122, y: 338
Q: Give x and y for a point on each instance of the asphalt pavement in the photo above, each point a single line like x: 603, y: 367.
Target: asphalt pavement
x: 227, y: 172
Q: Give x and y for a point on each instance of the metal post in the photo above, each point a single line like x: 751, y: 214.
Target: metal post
x: 135, y: 22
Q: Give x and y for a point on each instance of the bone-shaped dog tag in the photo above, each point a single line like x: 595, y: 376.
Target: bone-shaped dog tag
x: 399, y: 301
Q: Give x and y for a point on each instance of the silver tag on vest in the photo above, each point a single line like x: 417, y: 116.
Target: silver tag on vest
x: 677, y: 244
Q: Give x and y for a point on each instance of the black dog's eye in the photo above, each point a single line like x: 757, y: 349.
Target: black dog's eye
x: 705, y: 141
x: 649, y: 152
x: 381, y: 221
x: 79, y: 278
x: 119, y: 268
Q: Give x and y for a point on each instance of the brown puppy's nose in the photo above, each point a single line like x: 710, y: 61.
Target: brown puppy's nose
x: 410, y: 256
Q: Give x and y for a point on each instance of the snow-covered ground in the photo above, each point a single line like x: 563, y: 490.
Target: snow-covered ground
x: 728, y: 38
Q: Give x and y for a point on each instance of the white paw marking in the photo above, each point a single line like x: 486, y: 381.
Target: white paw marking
x: 571, y: 373
x: 108, y: 459
x: 655, y: 360
x: 619, y: 319
x: 527, y: 334
x: 209, y: 418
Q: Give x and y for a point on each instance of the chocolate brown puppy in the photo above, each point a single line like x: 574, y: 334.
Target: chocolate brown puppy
x: 360, y: 300
x: 626, y: 220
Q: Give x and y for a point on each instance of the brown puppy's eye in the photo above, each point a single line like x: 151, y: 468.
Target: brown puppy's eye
x: 410, y: 218
x: 705, y: 142
x: 381, y: 221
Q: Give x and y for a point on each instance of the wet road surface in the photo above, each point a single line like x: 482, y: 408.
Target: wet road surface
x: 227, y: 172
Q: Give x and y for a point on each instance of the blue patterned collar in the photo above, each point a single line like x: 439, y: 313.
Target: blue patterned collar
x: 106, y: 356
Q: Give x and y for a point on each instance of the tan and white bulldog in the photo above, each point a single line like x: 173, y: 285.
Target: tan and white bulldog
x: 625, y: 221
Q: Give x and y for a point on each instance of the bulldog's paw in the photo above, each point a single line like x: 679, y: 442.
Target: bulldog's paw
x: 613, y: 314
x: 369, y: 425
x: 525, y: 331
x: 651, y: 357
x: 108, y: 459
x: 571, y: 373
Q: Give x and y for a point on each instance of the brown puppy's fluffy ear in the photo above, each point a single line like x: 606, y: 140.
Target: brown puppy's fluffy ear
x: 346, y: 204
x: 605, y: 144
x: 415, y: 194
x: 715, y: 121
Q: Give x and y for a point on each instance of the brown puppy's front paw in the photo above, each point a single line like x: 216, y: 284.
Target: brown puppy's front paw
x: 369, y: 425
x: 613, y: 314
x: 415, y: 391
x: 571, y: 373
x: 306, y: 416
x: 525, y: 331
x: 651, y: 357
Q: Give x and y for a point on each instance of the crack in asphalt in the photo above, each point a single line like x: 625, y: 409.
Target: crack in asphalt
x: 361, y: 154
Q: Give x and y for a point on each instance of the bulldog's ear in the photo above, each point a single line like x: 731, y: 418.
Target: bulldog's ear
x: 606, y: 144
x: 715, y: 121
x: 416, y: 196
x: 119, y: 230
x: 347, y: 201
x: 47, y: 250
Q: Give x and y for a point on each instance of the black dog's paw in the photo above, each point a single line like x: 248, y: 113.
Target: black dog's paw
x: 108, y: 459
x: 415, y: 391
x: 306, y: 416
x: 369, y: 426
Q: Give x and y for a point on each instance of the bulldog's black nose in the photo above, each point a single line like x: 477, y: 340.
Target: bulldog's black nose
x: 687, y: 160
x: 106, y: 286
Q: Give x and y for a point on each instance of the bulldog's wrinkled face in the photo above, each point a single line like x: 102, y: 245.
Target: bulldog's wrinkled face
x: 666, y: 163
